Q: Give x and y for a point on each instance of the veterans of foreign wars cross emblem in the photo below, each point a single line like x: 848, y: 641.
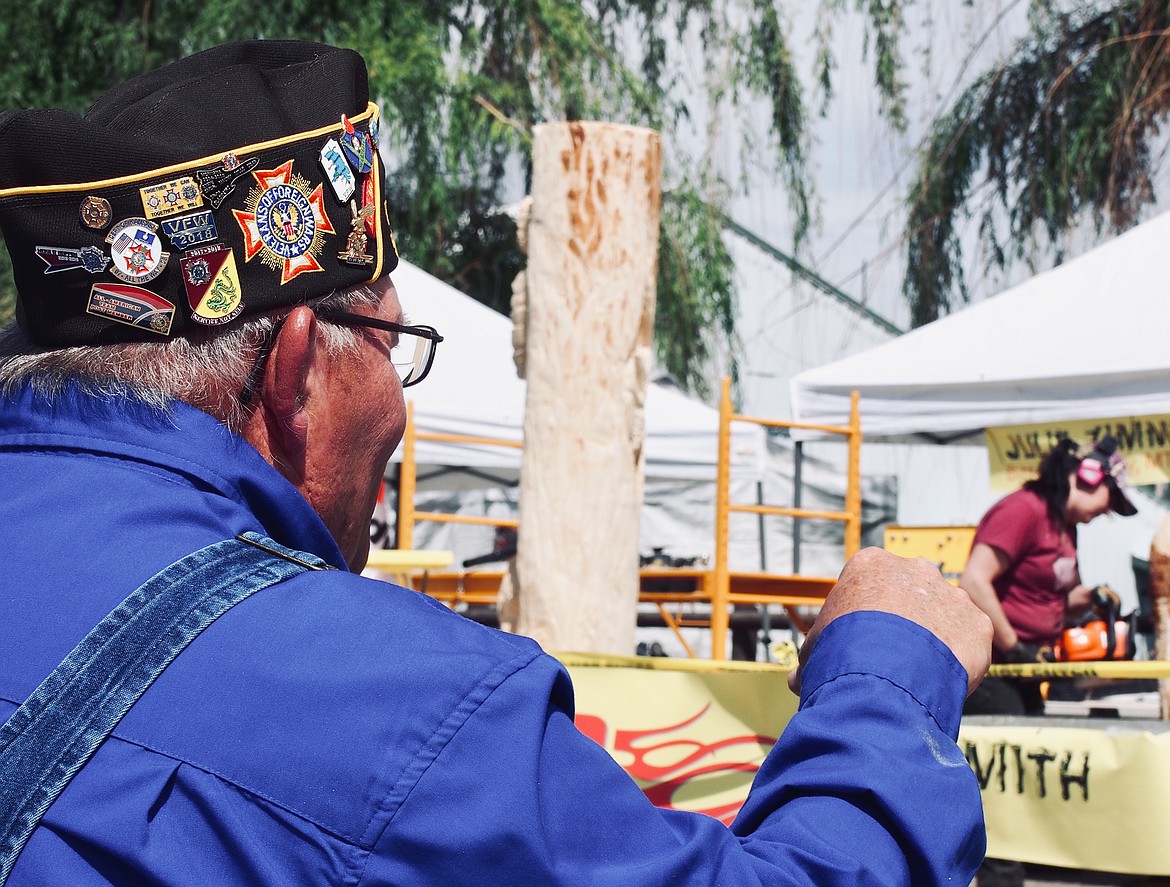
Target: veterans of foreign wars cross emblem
x: 284, y: 222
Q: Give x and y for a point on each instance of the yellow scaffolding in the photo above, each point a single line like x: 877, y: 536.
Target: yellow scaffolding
x: 730, y: 588
x: 665, y: 587
x: 407, y: 516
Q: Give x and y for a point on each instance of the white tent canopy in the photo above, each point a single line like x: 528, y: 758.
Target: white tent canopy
x: 1089, y: 339
x: 473, y: 390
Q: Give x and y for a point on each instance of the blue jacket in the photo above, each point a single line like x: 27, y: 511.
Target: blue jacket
x: 338, y: 730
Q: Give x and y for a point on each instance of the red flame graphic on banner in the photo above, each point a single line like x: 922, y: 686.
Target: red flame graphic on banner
x: 686, y: 757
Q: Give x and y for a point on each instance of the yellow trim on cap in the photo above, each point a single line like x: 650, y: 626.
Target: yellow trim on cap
x: 371, y: 109
x: 379, y: 259
x: 382, y: 225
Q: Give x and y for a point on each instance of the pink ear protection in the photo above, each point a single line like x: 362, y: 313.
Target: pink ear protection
x: 1091, y: 471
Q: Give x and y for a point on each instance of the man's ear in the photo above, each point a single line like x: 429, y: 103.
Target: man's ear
x: 282, y: 393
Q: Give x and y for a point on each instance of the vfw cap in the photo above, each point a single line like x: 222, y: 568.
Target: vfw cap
x: 234, y: 181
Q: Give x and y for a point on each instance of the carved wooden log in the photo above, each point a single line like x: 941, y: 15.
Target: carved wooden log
x: 1160, y: 603
x: 593, y: 251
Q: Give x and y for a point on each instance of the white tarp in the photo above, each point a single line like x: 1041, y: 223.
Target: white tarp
x: 1089, y: 339
x: 473, y: 390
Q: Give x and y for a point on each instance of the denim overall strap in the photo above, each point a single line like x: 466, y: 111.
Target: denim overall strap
x: 59, y: 727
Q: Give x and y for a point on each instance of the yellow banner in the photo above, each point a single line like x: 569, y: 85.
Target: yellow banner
x: 1082, y: 798
x: 1015, y: 452
x: 691, y: 733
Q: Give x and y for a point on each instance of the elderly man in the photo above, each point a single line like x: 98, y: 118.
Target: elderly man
x: 196, y: 406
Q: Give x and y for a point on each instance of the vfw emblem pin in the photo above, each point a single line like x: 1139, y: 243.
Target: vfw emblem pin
x: 136, y: 251
x: 212, y: 284
x: 284, y: 223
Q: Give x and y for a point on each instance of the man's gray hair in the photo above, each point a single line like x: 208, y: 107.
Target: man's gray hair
x: 207, y: 371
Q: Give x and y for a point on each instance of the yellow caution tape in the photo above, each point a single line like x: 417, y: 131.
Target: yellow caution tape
x: 1104, y: 669
x: 666, y: 663
x: 1125, y: 670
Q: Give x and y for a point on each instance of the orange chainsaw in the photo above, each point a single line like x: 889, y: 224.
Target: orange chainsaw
x: 1100, y: 633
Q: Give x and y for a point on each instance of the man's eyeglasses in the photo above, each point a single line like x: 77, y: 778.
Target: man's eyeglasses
x: 412, y: 349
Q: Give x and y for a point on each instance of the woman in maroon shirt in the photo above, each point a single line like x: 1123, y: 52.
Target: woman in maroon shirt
x: 1022, y: 572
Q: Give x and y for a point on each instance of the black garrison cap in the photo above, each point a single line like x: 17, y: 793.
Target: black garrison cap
x: 234, y: 181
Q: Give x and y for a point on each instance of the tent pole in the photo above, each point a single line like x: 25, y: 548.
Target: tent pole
x: 720, y: 616
x: 765, y: 631
x: 797, y: 498
x: 406, y: 483
x: 760, y: 528
x: 853, y: 482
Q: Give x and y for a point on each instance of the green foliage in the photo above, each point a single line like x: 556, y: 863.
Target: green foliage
x: 1063, y: 134
x: 695, y: 307
x: 461, y: 85
x: 765, y: 68
x: 886, y: 23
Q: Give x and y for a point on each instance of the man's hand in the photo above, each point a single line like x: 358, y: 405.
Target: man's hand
x: 874, y: 579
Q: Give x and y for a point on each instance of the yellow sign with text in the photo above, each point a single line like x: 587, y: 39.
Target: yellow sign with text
x: 1080, y: 798
x: 1015, y: 452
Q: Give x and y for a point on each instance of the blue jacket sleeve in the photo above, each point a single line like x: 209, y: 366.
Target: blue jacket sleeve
x: 866, y: 786
x: 867, y: 778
